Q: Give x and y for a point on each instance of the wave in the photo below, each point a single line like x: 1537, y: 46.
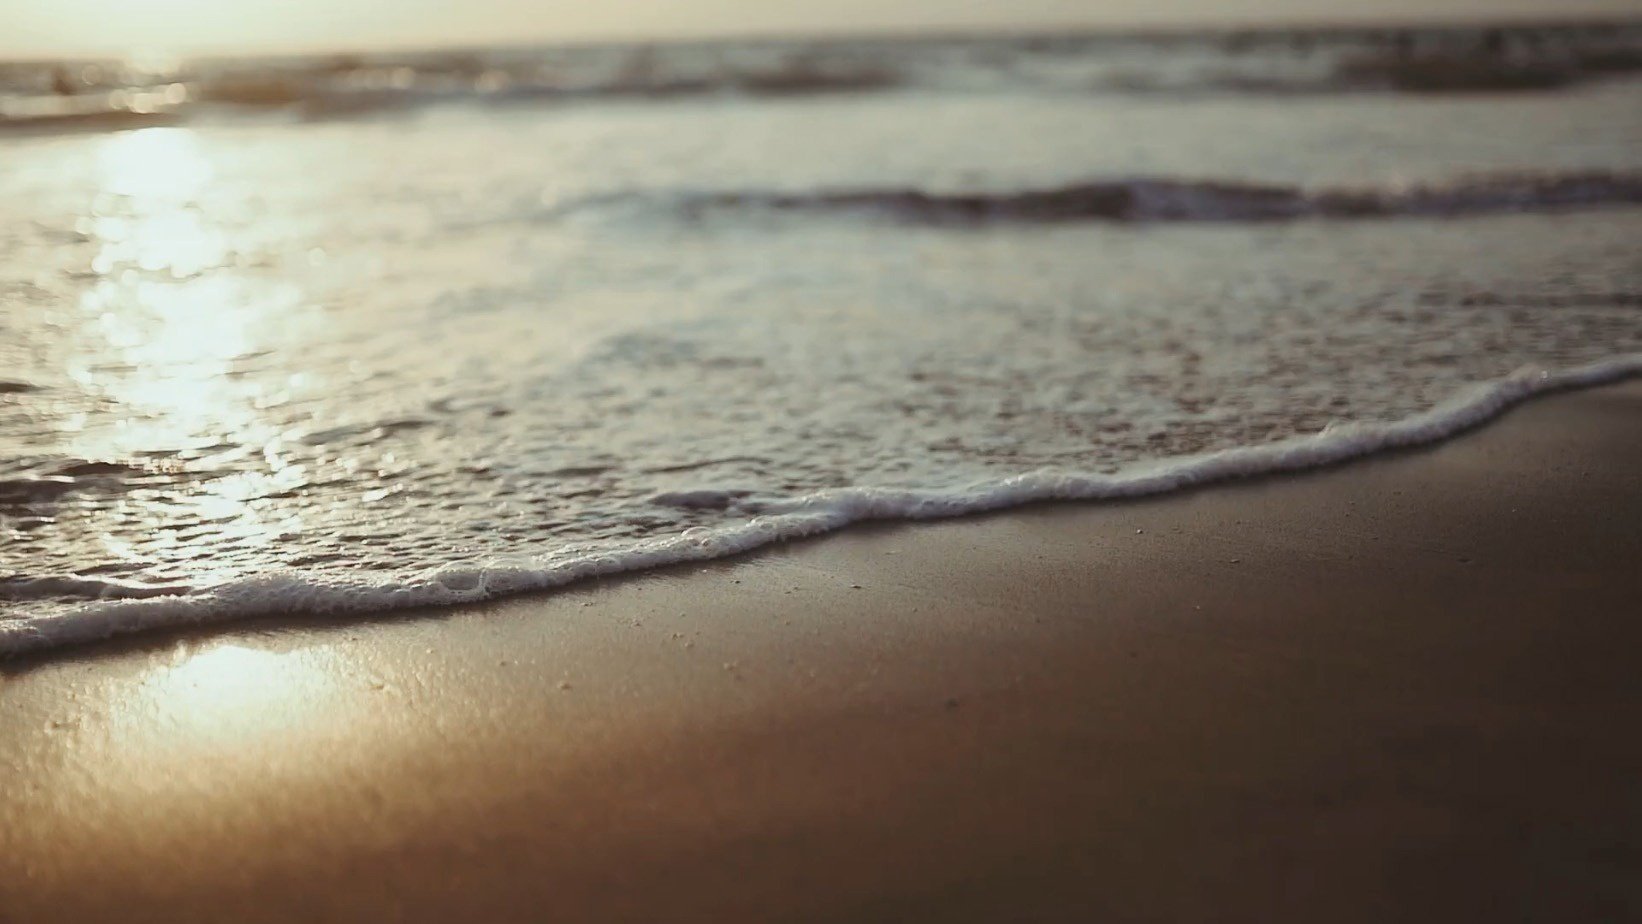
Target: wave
x: 99, y: 113
x: 1161, y: 200
x: 77, y: 586
x: 1437, y: 73
x: 37, y: 489
x: 1403, y: 68
x: 22, y: 492
x: 71, y: 96
x: 321, y: 92
x: 138, y: 608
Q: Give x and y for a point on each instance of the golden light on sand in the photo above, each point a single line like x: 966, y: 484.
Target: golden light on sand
x: 228, y: 693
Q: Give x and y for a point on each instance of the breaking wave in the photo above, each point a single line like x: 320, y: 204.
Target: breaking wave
x: 124, y: 608
x: 65, y: 96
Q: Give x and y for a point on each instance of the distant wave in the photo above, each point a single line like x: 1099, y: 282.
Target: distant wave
x: 119, y: 608
x: 326, y: 92
x: 106, y: 112
x: 1406, y: 67
x: 77, y: 96
x: 1157, y: 200
x: 1434, y: 72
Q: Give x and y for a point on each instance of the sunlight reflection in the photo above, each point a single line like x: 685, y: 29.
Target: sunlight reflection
x: 229, y: 693
x: 171, y: 333
x: 169, y: 353
x: 155, y: 165
x: 177, y: 358
x: 147, y: 214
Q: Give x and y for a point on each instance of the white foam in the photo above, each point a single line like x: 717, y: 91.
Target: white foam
x: 810, y: 515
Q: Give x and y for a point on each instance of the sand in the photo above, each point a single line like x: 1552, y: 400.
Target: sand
x: 1404, y: 689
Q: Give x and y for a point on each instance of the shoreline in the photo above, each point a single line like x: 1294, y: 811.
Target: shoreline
x: 1398, y: 689
x: 813, y: 516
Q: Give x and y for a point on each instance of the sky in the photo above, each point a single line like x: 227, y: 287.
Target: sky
x: 44, y: 28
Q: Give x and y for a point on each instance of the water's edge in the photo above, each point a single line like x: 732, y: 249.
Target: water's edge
x: 291, y: 593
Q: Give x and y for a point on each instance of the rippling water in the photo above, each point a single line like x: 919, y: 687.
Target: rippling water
x: 439, y: 352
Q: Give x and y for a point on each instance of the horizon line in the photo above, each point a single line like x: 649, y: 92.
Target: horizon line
x: 1071, y: 30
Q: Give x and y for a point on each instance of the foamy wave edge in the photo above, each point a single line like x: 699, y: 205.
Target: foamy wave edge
x: 290, y: 593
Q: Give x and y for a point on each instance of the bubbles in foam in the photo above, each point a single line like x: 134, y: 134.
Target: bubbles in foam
x: 800, y: 517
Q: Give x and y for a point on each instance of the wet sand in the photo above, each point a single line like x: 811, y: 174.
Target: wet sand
x: 1403, y: 689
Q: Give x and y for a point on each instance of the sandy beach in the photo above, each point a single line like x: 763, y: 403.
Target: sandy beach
x: 1403, y: 689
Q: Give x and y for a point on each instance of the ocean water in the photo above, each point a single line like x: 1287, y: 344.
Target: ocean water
x: 349, y: 335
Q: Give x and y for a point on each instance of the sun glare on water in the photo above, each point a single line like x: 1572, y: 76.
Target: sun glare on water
x: 169, y: 325
x: 165, y: 331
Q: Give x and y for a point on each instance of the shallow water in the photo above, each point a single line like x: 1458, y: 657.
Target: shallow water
x: 253, y: 365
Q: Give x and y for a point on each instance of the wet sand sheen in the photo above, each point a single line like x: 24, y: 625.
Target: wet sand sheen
x: 1402, y: 689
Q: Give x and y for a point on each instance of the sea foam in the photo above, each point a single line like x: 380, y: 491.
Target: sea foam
x: 295, y: 592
